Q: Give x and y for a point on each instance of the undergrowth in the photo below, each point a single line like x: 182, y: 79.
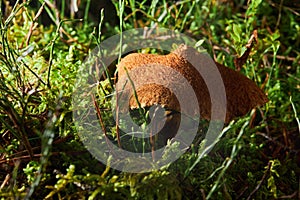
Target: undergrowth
x: 43, y: 45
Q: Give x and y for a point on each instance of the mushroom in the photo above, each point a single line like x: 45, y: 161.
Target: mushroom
x: 242, y: 94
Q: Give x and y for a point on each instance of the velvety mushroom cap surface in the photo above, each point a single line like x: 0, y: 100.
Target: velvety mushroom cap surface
x: 242, y: 94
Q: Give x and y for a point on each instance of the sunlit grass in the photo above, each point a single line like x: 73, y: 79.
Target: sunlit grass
x: 256, y: 158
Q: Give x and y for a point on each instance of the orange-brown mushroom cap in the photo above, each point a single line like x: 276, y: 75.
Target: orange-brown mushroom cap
x: 242, y: 94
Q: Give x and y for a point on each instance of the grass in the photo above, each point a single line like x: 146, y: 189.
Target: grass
x: 41, y: 154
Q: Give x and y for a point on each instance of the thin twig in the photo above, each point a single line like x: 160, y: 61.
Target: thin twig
x: 291, y: 196
x: 13, y: 160
x: 285, y: 148
x: 242, y: 192
x: 285, y: 7
x: 288, y: 58
x: 33, y: 25
x: 117, y: 123
x: 7, y: 178
x: 260, y: 182
x: 279, y: 14
x: 101, y: 120
x: 21, y: 129
x: 20, y: 153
